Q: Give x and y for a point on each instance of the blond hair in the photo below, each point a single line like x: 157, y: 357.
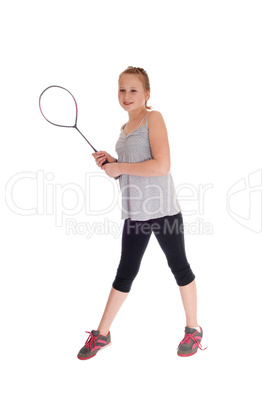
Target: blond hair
x: 144, y: 78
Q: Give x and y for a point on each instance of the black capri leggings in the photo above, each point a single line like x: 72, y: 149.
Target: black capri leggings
x: 169, y: 232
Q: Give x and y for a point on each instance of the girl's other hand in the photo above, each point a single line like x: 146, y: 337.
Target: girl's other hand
x: 101, y: 156
x: 112, y: 169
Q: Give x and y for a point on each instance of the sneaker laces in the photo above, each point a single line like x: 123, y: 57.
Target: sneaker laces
x: 188, y: 338
x: 90, y: 340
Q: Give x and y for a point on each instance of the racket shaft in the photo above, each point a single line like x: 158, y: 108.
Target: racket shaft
x: 86, y: 139
x: 106, y: 161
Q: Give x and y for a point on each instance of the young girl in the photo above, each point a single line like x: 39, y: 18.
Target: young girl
x: 149, y: 205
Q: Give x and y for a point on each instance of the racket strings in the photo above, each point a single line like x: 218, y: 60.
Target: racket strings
x: 59, y: 107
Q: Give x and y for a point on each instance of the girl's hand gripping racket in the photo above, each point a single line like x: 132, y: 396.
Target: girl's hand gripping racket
x: 57, y: 104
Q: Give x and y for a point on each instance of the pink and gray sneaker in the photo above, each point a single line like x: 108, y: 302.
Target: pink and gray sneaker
x: 191, y: 342
x: 93, y: 344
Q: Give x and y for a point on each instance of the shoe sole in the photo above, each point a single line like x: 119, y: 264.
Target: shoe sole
x: 190, y: 354
x: 87, y: 358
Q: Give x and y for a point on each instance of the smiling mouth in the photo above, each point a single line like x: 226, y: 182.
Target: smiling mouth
x: 127, y: 104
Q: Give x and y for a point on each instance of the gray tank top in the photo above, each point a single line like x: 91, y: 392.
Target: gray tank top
x: 143, y: 198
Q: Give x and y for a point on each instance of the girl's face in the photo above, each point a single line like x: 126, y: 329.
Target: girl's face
x: 132, y: 95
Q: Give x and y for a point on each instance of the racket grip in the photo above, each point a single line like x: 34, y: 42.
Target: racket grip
x: 106, y: 161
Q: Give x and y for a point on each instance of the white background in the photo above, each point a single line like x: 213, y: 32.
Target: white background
x: 207, y: 66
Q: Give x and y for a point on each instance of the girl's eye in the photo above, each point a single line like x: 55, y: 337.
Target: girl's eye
x: 133, y: 90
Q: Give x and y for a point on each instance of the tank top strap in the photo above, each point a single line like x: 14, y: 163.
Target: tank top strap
x: 144, y: 119
x: 123, y: 127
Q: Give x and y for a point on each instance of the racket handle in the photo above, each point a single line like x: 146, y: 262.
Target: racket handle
x: 106, y: 161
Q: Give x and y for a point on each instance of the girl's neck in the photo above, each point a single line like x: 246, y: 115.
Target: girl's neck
x: 137, y: 114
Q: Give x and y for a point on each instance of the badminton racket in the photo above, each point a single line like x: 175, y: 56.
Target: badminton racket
x: 59, y: 107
